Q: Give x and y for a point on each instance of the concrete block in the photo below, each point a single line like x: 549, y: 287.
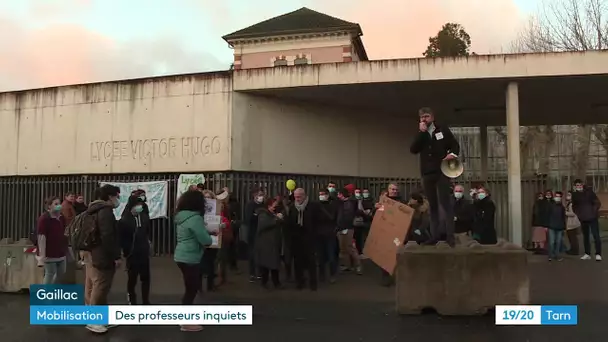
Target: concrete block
x: 468, y: 279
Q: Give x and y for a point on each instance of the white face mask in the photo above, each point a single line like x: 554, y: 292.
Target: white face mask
x: 322, y: 198
x: 458, y: 195
x: 557, y: 199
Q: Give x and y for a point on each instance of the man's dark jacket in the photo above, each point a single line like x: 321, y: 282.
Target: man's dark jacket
x: 107, y: 248
x: 434, y: 149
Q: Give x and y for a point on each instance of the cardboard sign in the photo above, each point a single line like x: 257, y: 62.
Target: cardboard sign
x: 389, y: 229
x: 212, y: 221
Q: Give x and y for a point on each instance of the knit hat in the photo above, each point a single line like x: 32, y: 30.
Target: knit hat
x: 350, y: 188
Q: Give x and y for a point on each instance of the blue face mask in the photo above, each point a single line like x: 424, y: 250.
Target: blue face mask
x: 142, y: 198
x: 57, y: 208
x: 139, y: 209
x: 481, y: 195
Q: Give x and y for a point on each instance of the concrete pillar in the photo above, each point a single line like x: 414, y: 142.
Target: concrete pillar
x: 514, y: 168
x: 483, y: 140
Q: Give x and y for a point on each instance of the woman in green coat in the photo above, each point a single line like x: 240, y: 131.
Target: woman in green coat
x: 192, y: 238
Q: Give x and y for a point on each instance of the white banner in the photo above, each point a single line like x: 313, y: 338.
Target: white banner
x: 156, y: 197
x: 186, y: 180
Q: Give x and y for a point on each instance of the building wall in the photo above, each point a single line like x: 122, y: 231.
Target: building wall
x: 271, y: 135
x: 331, y: 54
x: 158, y: 125
x: 260, y: 53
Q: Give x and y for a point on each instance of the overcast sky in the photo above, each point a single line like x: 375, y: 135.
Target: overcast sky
x: 57, y: 42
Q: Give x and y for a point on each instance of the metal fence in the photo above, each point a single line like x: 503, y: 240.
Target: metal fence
x: 22, y: 197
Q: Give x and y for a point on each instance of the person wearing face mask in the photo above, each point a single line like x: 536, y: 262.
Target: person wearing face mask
x: 436, y: 143
x: 332, y: 191
x: 134, y: 228
x: 391, y: 192
x: 586, y: 206
x: 347, y: 210
x: 483, y: 223
x: 269, y: 241
x: 67, y: 207
x: 473, y: 194
x: 251, y: 222
x: 302, y: 223
x: 540, y: 215
x: 572, y: 226
x: 464, y: 212
x: 362, y: 220
x: 52, y: 243
x: 104, y: 256
x: 326, y: 238
x: 557, y: 225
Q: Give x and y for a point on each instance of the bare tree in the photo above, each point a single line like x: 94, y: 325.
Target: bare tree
x: 565, y: 25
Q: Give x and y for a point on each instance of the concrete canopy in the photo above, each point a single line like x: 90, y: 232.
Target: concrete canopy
x: 556, y: 89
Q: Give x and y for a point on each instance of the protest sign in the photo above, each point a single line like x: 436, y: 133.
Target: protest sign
x: 213, y: 220
x: 156, y: 197
x: 389, y: 230
x: 186, y: 180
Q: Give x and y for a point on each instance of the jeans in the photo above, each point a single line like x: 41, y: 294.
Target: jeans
x: 555, y: 242
x: 54, y: 271
x: 191, y: 274
x: 327, y: 255
x: 360, y: 236
x: 437, y: 188
x: 592, y: 227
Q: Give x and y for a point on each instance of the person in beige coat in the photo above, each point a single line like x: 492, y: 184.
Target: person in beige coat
x: 572, y: 226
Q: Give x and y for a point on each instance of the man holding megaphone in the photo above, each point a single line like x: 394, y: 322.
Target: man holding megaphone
x: 436, y: 143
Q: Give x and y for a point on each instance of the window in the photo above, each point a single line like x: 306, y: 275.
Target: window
x: 300, y: 60
x: 280, y: 61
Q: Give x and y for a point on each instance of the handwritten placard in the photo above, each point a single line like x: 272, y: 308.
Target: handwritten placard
x: 388, y: 231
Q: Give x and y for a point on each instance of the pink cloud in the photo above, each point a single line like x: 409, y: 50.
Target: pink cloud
x: 401, y: 28
x: 71, y: 54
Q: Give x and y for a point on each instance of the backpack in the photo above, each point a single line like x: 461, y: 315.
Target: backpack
x: 81, y: 232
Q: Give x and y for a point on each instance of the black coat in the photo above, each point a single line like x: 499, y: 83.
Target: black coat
x: 586, y: 205
x: 327, y: 219
x: 134, y: 233
x: 540, y: 213
x: 346, y: 210
x: 557, y: 216
x: 302, y: 237
x: 250, y: 219
x: 483, y: 225
x: 434, y: 149
x: 464, y: 211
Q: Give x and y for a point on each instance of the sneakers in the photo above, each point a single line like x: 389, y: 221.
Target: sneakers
x: 98, y: 329
x: 363, y: 257
x: 191, y: 328
x: 359, y: 270
x: 598, y: 257
x: 587, y: 257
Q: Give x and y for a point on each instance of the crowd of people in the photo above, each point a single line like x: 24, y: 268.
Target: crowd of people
x: 555, y: 213
x: 293, y: 238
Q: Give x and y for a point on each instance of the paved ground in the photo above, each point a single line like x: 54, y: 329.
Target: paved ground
x: 356, y: 309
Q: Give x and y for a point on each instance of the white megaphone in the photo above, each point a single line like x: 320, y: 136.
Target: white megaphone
x: 452, y: 168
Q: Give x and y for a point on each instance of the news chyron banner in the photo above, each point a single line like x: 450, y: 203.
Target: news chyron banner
x: 64, y: 305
